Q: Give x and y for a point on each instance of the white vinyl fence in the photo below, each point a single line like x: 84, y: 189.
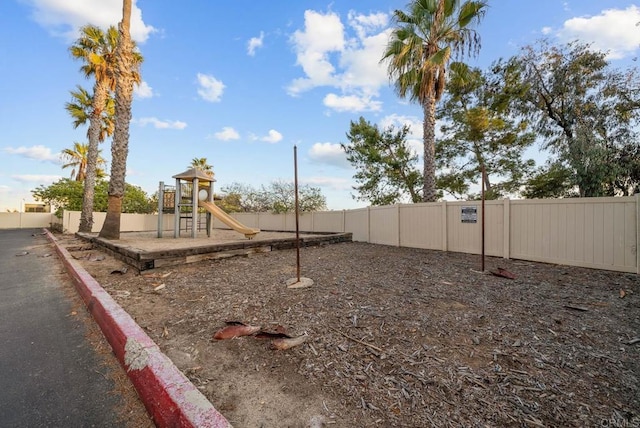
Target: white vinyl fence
x: 601, y: 233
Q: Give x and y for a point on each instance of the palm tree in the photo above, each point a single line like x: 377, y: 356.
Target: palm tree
x: 202, y: 165
x: 81, y: 108
x: 97, y: 49
x: 126, y: 74
x: 76, y: 158
x: 418, y: 53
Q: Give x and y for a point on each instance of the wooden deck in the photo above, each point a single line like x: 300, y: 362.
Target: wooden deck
x: 144, y: 250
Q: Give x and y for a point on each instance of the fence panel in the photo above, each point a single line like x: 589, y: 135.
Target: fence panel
x: 26, y: 220
x: 269, y: 221
x: 494, y: 228
x: 421, y: 226
x: 305, y: 222
x: 328, y: 221
x: 357, y: 222
x: 464, y: 237
x: 248, y: 219
x: 591, y: 232
x: 384, y: 225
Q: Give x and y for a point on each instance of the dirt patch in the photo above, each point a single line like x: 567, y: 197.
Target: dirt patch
x: 396, y: 337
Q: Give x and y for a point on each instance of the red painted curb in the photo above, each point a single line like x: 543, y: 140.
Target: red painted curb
x: 170, y: 398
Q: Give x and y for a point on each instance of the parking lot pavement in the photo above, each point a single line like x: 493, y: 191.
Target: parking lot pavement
x: 50, y: 376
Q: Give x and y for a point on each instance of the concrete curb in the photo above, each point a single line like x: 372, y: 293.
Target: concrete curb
x: 170, y: 398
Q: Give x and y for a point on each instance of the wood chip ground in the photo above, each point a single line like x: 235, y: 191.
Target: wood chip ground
x: 396, y: 337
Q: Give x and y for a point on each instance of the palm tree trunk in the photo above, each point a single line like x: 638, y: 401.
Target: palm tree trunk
x: 95, y: 125
x: 429, y: 193
x: 120, y: 144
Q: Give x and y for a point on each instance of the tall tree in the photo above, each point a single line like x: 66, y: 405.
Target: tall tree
x: 553, y: 180
x: 278, y: 197
x: 80, y: 108
x: 66, y: 194
x: 127, y: 71
x: 418, y: 54
x: 384, y: 163
x: 97, y: 49
x: 202, y: 165
x: 282, y: 195
x: 479, y: 129
x: 239, y: 197
x: 584, y: 111
x: 76, y: 158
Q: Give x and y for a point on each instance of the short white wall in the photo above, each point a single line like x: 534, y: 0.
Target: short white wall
x: 26, y: 220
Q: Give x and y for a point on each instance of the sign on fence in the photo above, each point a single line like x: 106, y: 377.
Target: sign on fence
x: 469, y: 214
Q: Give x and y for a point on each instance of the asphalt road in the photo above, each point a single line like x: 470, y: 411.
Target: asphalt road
x: 50, y: 376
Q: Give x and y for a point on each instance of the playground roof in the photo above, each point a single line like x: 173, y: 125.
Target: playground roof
x: 192, y: 173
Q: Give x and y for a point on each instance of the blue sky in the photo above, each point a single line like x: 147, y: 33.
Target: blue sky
x: 241, y: 82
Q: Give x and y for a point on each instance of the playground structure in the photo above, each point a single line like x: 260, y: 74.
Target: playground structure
x: 194, y: 190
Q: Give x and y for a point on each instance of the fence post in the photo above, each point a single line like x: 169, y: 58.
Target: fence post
x: 638, y: 233
x: 506, y: 237
x: 160, y: 208
x: 65, y: 224
x: 369, y: 224
x: 445, y: 232
x: 344, y: 221
x: 398, y: 225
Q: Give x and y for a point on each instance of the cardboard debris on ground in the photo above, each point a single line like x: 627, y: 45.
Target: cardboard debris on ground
x: 503, y: 273
x: 288, y: 343
x: 235, y: 329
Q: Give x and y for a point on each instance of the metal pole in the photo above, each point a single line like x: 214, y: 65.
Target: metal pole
x: 295, y: 171
x: 483, y: 180
x: 194, y: 207
x: 160, y: 208
x: 176, y: 209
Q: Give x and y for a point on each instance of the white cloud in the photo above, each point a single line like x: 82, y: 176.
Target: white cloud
x: 161, y: 124
x: 397, y: 120
x: 367, y: 24
x: 362, y: 68
x: 35, y: 178
x: 613, y: 31
x: 39, y: 152
x: 322, y: 35
x: 210, y: 89
x: 273, y: 137
x: 227, y: 133
x: 330, y: 154
x: 131, y: 172
x: 64, y: 17
x: 143, y: 90
x: 334, y: 183
x: 255, y: 43
x: 331, y: 56
x: 352, y: 103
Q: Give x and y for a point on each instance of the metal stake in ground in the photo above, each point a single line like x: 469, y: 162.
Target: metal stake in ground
x: 484, y: 178
x: 297, y: 282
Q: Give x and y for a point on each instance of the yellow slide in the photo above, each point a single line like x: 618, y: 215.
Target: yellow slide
x: 228, y: 220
